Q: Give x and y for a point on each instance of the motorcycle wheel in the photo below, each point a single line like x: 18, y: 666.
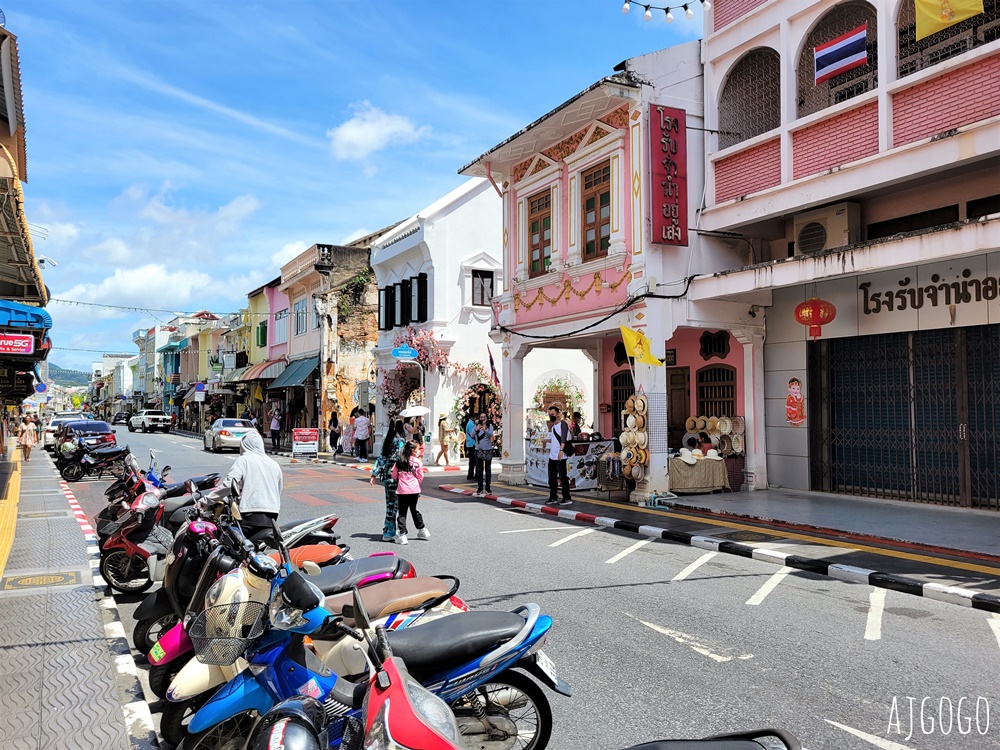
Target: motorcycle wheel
x: 72, y: 472
x: 231, y: 734
x: 147, y: 632
x: 514, y: 700
x: 126, y: 573
x: 175, y: 717
x: 161, y: 675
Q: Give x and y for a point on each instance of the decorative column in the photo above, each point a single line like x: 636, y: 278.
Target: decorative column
x: 512, y: 455
x: 753, y: 408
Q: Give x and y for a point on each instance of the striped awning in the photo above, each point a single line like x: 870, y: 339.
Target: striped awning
x: 264, y: 371
x: 236, y: 375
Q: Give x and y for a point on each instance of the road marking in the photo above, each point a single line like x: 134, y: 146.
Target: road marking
x: 689, y: 640
x: 8, y: 508
x: 694, y: 566
x: 629, y: 551
x: 542, y: 528
x: 768, y: 587
x: 582, y: 532
x: 873, y: 739
x: 995, y: 624
x: 876, y: 606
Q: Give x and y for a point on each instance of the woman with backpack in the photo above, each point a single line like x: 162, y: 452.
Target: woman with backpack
x: 408, y: 471
x: 395, y: 439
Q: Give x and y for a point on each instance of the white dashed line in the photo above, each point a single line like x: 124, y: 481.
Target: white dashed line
x: 768, y: 587
x: 629, y: 551
x: 873, y: 739
x: 689, y: 640
x: 541, y: 528
x: 694, y: 566
x: 565, y: 539
x: 873, y: 628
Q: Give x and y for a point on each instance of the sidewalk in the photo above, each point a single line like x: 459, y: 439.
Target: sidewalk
x: 67, y: 678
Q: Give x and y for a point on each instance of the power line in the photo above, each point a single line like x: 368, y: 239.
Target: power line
x: 180, y: 314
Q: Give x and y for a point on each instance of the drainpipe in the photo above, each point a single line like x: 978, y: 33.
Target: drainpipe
x: 489, y: 176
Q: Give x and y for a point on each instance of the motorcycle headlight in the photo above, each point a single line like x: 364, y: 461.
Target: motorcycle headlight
x: 285, y: 616
x: 214, y: 592
x: 434, y: 711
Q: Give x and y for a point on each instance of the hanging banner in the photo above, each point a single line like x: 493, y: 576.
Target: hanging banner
x: 937, y: 15
x: 668, y: 175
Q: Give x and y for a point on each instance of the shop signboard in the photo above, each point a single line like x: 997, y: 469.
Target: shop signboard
x: 305, y: 441
x: 668, y: 175
x: 17, y: 343
x: 581, y: 464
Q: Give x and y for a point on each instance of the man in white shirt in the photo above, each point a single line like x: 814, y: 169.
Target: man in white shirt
x: 362, y: 430
x: 559, y: 436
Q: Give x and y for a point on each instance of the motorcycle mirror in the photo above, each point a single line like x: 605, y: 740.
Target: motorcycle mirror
x: 310, y: 567
x: 190, y: 487
x: 360, y: 610
x: 166, y: 470
x: 234, y: 510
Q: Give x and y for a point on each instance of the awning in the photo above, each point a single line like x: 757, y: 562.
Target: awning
x: 18, y: 315
x: 266, y: 370
x: 297, y: 373
x: 236, y: 375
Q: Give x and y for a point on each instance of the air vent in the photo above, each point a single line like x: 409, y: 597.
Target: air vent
x: 827, y: 228
x: 811, y: 238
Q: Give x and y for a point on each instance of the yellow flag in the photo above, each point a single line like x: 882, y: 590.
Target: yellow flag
x: 638, y: 346
x: 258, y: 394
x: 936, y: 15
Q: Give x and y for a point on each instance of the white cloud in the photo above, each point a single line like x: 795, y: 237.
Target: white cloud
x: 150, y: 286
x: 357, y: 234
x: 371, y: 130
x: 287, y: 252
x: 53, y: 236
x: 111, y: 250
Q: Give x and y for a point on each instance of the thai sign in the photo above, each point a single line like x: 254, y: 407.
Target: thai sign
x: 668, y: 175
x: 17, y: 343
x: 305, y: 441
x: 962, y: 288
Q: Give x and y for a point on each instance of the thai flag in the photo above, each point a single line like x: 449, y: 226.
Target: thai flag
x: 493, y: 369
x: 839, y: 55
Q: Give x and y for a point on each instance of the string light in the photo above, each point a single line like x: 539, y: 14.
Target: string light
x: 686, y: 7
x: 181, y: 314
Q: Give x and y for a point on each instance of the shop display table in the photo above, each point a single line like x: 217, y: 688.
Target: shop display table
x: 705, y: 476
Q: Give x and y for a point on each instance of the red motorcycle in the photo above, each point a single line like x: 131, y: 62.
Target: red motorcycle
x: 133, y: 555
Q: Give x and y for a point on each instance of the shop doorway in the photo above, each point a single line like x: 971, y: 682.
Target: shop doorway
x: 911, y: 416
x: 678, y: 403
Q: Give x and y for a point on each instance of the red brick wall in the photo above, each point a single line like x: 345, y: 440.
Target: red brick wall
x: 748, y: 171
x: 959, y: 97
x: 838, y: 140
x: 727, y: 11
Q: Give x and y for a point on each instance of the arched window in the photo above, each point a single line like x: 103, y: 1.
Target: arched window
x: 621, y: 388
x: 965, y: 35
x: 842, y: 19
x: 751, y: 99
x: 717, y: 391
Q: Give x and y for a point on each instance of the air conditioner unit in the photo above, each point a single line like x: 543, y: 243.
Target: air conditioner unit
x: 827, y: 228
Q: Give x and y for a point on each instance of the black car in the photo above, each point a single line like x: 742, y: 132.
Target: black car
x: 120, y: 418
x: 95, y: 434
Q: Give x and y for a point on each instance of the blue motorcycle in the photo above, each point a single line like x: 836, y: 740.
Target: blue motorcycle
x: 474, y: 661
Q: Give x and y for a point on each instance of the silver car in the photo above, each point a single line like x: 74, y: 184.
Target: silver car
x: 226, y: 433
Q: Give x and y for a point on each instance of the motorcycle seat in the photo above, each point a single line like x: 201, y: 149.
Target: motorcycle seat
x: 172, y: 489
x: 389, y: 597
x: 321, y: 554
x: 334, y: 579
x: 176, y: 489
x: 110, y: 452
x: 172, y: 504
x: 442, y: 644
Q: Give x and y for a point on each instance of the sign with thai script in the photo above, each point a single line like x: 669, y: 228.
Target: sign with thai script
x: 17, y: 343
x: 962, y: 288
x: 668, y: 175
x: 305, y: 441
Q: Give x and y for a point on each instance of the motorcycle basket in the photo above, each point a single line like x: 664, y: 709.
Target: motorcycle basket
x: 221, y: 634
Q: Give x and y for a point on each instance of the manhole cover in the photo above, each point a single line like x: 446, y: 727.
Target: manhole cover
x: 749, y: 536
x: 48, y: 514
x: 34, y: 581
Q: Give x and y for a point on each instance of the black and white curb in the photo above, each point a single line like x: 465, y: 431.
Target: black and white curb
x: 950, y: 594
x: 135, y: 709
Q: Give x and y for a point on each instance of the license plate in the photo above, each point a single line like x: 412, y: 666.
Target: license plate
x: 546, y: 664
x: 157, y: 652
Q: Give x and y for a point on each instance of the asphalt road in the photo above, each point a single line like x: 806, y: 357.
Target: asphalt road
x: 666, y: 641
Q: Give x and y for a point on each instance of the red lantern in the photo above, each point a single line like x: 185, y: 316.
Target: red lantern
x: 815, y: 313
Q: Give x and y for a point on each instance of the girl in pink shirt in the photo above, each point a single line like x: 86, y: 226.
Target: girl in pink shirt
x: 408, y: 471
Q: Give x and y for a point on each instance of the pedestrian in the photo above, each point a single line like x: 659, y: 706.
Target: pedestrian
x: 173, y: 420
x: 559, y: 436
x: 39, y: 429
x: 408, y: 471
x: 255, y: 479
x: 27, y: 437
x: 246, y: 414
x: 335, y: 431
x: 444, y: 438
x: 275, y: 429
x: 470, y: 445
x: 362, y: 432
x: 484, y: 454
x: 575, y: 425
x: 395, y: 439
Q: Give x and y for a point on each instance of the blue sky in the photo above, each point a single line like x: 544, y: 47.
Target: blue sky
x: 180, y: 152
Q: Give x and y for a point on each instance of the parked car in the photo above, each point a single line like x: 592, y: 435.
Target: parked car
x: 226, y: 433
x: 49, y: 436
x: 95, y: 434
x: 149, y: 420
x: 120, y: 418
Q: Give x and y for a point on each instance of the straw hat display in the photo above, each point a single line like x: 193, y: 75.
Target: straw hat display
x: 690, y: 440
x: 701, y: 423
x: 634, y: 440
x: 739, y: 425
x: 641, y: 404
x: 691, y: 424
x: 687, y: 457
x: 630, y: 421
x: 630, y: 405
x: 640, y: 422
x: 726, y: 445
x: 638, y: 472
x: 725, y: 425
x: 641, y: 455
x: 713, y: 424
x: 737, y: 444
x: 713, y: 455
x: 641, y: 440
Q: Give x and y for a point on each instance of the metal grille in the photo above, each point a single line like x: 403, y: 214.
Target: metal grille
x: 220, y: 635
x: 750, y: 103
x: 851, y: 83
x: 983, y: 363
x: 657, y: 427
x: 717, y: 391
x: 950, y: 42
x: 621, y: 388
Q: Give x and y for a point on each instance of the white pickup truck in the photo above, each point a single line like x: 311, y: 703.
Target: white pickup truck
x: 149, y: 420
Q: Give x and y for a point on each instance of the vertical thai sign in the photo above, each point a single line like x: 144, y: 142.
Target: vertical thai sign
x: 668, y: 175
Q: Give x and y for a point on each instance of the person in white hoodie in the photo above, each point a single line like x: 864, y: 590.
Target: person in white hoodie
x: 255, y: 479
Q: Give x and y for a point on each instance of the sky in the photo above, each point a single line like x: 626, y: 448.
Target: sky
x: 179, y: 152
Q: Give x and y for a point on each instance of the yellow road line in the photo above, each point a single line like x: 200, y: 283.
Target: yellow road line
x: 8, y: 508
x: 789, y: 535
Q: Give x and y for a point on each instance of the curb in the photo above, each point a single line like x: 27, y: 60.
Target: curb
x: 830, y: 531
x: 135, y: 710
x: 903, y: 584
x: 359, y: 466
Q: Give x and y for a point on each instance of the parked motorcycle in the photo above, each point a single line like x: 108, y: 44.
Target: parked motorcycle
x: 95, y: 462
